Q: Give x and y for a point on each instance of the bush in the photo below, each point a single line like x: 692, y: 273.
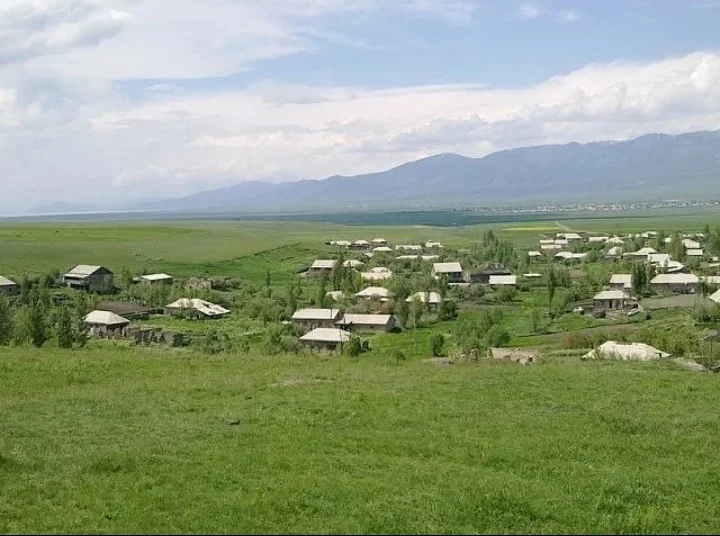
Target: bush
x: 353, y: 348
x: 437, y: 342
x: 448, y: 310
x: 398, y: 355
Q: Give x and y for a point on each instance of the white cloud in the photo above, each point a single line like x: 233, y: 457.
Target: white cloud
x: 67, y: 133
x: 534, y: 11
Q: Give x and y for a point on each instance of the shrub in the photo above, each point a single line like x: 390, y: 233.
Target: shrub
x: 353, y: 348
x: 437, y: 342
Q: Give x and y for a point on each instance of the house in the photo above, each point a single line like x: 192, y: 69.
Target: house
x: 502, y: 280
x: 326, y: 338
x: 379, y: 241
x: 379, y: 273
x: 360, y: 244
x: 196, y: 307
x: 697, y: 253
x: 7, y: 286
x: 715, y: 297
x: 156, y: 279
x: 104, y: 322
x: 482, y: 277
x: 90, y: 278
x: 451, y: 270
x: 374, y: 293
x: 561, y: 242
x: 598, y: 239
x: 429, y: 258
x: 621, y: 282
x: 615, y: 241
x: 548, y: 247
x: 382, y: 249
x: 321, y: 267
x: 626, y: 351
x: 568, y: 256
x: 363, y: 322
x: 352, y: 263
x: 659, y: 259
x: 570, y: 237
x: 675, y: 283
x: 546, y: 241
x: 641, y: 253
x: 316, y: 318
x: 408, y: 247
x: 691, y: 244
x: 432, y: 244
x: 431, y: 299
x: 611, y: 300
x: 713, y: 280
x: 534, y: 255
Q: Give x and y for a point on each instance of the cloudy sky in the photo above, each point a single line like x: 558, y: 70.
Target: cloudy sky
x: 115, y: 99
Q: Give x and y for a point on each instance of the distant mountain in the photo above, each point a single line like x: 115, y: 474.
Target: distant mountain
x: 62, y: 207
x: 648, y: 168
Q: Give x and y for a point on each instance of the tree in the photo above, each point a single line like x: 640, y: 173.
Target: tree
x: 534, y: 320
x: 321, y: 297
x: 507, y: 294
x: 497, y: 336
x: 552, y: 284
x: 64, y: 328
x: 292, y: 295
x: 6, y: 320
x: 337, y: 276
x: 36, y: 322
x: 417, y: 309
x: 353, y: 348
x: 402, y: 312
x: 639, y: 279
x: 448, y: 310
x: 125, y: 279
x: 437, y: 342
x: 677, y: 248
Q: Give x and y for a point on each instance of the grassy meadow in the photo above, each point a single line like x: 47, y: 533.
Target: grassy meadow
x: 119, y: 438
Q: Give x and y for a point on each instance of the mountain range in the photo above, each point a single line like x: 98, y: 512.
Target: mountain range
x: 652, y: 167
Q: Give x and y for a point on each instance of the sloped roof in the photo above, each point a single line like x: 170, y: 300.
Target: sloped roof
x: 365, y: 320
x: 643, y: 252
x: 711, y: 279
x: 694, y: 253
x: 361, y: 242
x: 597, y: 239
x: 534, y: 254
x: 425, y: 297
x: 105, y: 318
x: 335, y: 295
x: 379, y: 241
x: 5, y: 282
x: 503, y: 280
x: 635, y: 351
x: 410, y: 247
x: 382, y: 249
x: 323, y: 264
x: 614, y: 251
x: 659, y: 258
x: 352, y: 263
x: 621, y: 279
x: 447, y: 267
x: 83, y: 270
x: 675, y: 279
x: 156, y: 277
x: 341, y: 243
x: 532, y: 275
x: 611, y: 295
x: 715, y: 296
x: 407, y: 257
x: 202, y: 306
x: 374, y: 292
x: 316, y: 314
x: 690, y: 244
x: 335, y: 335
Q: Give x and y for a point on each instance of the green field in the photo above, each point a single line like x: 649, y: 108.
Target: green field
x: 132, y: 440
x: 119, y: 438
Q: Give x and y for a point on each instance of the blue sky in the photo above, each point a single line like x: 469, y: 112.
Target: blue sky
x: 148, y: 97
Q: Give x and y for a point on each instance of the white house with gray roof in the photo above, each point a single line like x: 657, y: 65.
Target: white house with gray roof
x: 89, y: 277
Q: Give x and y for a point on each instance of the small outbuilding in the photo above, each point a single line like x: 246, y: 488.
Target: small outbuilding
x: 626, y: 351
x: 316, y: 318
x: 326, y: 338
x: 611, y: 300
x: 196, y: 307
x: 90, y: 278
x: 156, y: 279
x: 451, y: 270
x: 367, y: 322
x: 7, y: 286
x: 105, y: 322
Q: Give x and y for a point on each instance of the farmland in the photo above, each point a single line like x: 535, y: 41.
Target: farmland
x: 263, y: 436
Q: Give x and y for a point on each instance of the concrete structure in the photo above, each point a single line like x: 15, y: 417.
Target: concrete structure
x: 535, y: 255
x: 326, y: 338
x: 675, y: 283
x: 626, y: 351
x: 335, y: 295
x: 451, y: 270
x: 102, y: 322
x: 196, y: 307
x: 352, y: 263
x: 340, y: 243
x: 365, y: 322
x: 379, y: 241
x: 611, y: 300
x: 382, y: 249
x: 156, y: 279
x: 408, y: 247
x: 322, y: 267
x: 431, y: 299
x: 379, y: 273
x: 621, y: 282
x: 89, y: 278
x: 598, y: 239
x: 502, y: 280
x: 698, y: 253
x: 316, y: 318
x: 374, y: 293
x: 360, y: 244
x: 7, y: 286
x: 568, y: 256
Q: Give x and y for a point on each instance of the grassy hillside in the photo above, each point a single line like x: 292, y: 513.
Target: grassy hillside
x: 118, y: 439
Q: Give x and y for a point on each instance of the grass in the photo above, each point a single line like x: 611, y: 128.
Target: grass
x: 123, y: 439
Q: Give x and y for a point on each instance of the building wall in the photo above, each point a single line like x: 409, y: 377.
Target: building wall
x: 312, y: 324
x: 10, y: 290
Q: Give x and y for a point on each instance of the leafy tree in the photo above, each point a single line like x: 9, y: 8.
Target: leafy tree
x: 448, y: 310
x: 417, y: 310
x: 35, y: 320
x: 353, y: 348
x: 497, y: 336
x: 534, y: 320
x: 437, y: 343
x: 64, y: 328
x: 292, y: 296
x: 6, y: 320
x: 402, y: 311
x: 126, y: 279
x: 321, y: 298
x: 552, y: 284
x: 507, y: 294
x: 677, y: 248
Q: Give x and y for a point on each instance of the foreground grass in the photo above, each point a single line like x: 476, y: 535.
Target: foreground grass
x: 123, y: 439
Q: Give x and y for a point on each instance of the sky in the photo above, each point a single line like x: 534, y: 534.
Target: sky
x: 118, y: 100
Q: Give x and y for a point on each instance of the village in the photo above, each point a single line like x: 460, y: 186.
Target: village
x: 361, y: 289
